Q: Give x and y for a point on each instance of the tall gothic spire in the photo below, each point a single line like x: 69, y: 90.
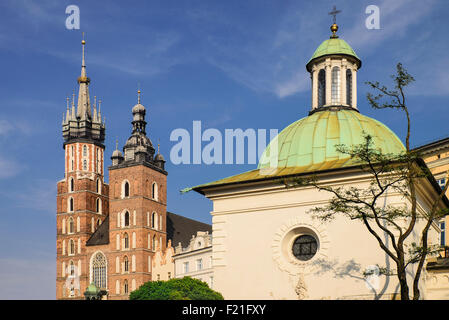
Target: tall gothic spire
x: 84, y: 109
x: 82, y: 122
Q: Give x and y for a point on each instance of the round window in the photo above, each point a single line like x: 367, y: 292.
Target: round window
x: 304, y: 247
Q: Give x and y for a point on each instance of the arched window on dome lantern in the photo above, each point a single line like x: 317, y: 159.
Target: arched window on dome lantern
x: 321, y: 88
x: 335, y: 88
x: 349, y: 87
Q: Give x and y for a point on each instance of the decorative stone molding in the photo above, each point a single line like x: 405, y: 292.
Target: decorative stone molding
x: 283, y: 241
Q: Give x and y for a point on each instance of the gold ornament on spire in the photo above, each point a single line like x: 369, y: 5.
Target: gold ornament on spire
x: 138, y: 96
x: 334, y: 26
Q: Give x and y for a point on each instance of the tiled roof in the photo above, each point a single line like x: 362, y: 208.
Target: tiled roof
x: 101, y: 235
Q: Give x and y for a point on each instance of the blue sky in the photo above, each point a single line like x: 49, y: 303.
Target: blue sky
x: 230, y: 64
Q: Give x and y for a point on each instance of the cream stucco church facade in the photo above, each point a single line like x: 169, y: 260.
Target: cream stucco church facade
x: 266, y: 245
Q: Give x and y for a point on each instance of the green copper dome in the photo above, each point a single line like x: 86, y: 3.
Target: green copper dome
x: 333, y: 46
x: 309, y: 143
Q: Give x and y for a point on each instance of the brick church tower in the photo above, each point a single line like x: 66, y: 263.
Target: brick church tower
x: 82, y: 196
x: 138, y: 206
x: 109, y: 236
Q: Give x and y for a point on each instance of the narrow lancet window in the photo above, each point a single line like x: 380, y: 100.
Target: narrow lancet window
x: 335, y: 85
x: 349, y: 87
x: 321, y: 88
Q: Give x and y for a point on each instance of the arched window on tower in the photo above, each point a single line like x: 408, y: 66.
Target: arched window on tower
x: 72, y: 185
x: 126, y: 241
x: 98, y: 205
x: 126, y: 264
x: 125, y: 287
x: 126, y: 189
x: 126, y: 219
x: 154, y: 220
x: 99, y: 270
x: 85, y: 165
x: 349, y: 87
x: 335, y: 88
x: 72, y: 268
x: 71, y: 247
x: 71, y: 225
x: 321, y: 88
x: 84, y: 151
x: 98, y: 186
x: 70, y: 204
x: 154, y: 191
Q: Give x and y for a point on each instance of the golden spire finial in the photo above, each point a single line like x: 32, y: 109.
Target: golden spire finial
x: 138, y: 92
x: 334, y: 26
x: 83, y: 42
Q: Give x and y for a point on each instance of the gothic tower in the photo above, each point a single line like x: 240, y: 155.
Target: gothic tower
x: 82, y: 196
x: 138, y: 207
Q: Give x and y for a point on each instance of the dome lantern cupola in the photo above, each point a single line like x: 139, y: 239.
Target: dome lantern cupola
x: 333, y: 69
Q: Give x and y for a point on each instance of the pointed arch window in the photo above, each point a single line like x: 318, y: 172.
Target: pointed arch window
x: 154, y: 191
x: 335, y: 88
x: 126, y: 264
x: 125, y: 287
x: 71, y: 225
x: 71, y: 247
x: 154, y: 220
x: 72, y: 268
x: 70, y: 204
x: 99, y: 270
x: 84, y: 151
x: 98, y: 186
x: 126, y: 190
x: 349, y: 87
x: 72, y: 185
x: 126, y: 219
x: 98, y: 205
x: 126, y: 241
x: 321, y: 88
x: 85, y: 165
